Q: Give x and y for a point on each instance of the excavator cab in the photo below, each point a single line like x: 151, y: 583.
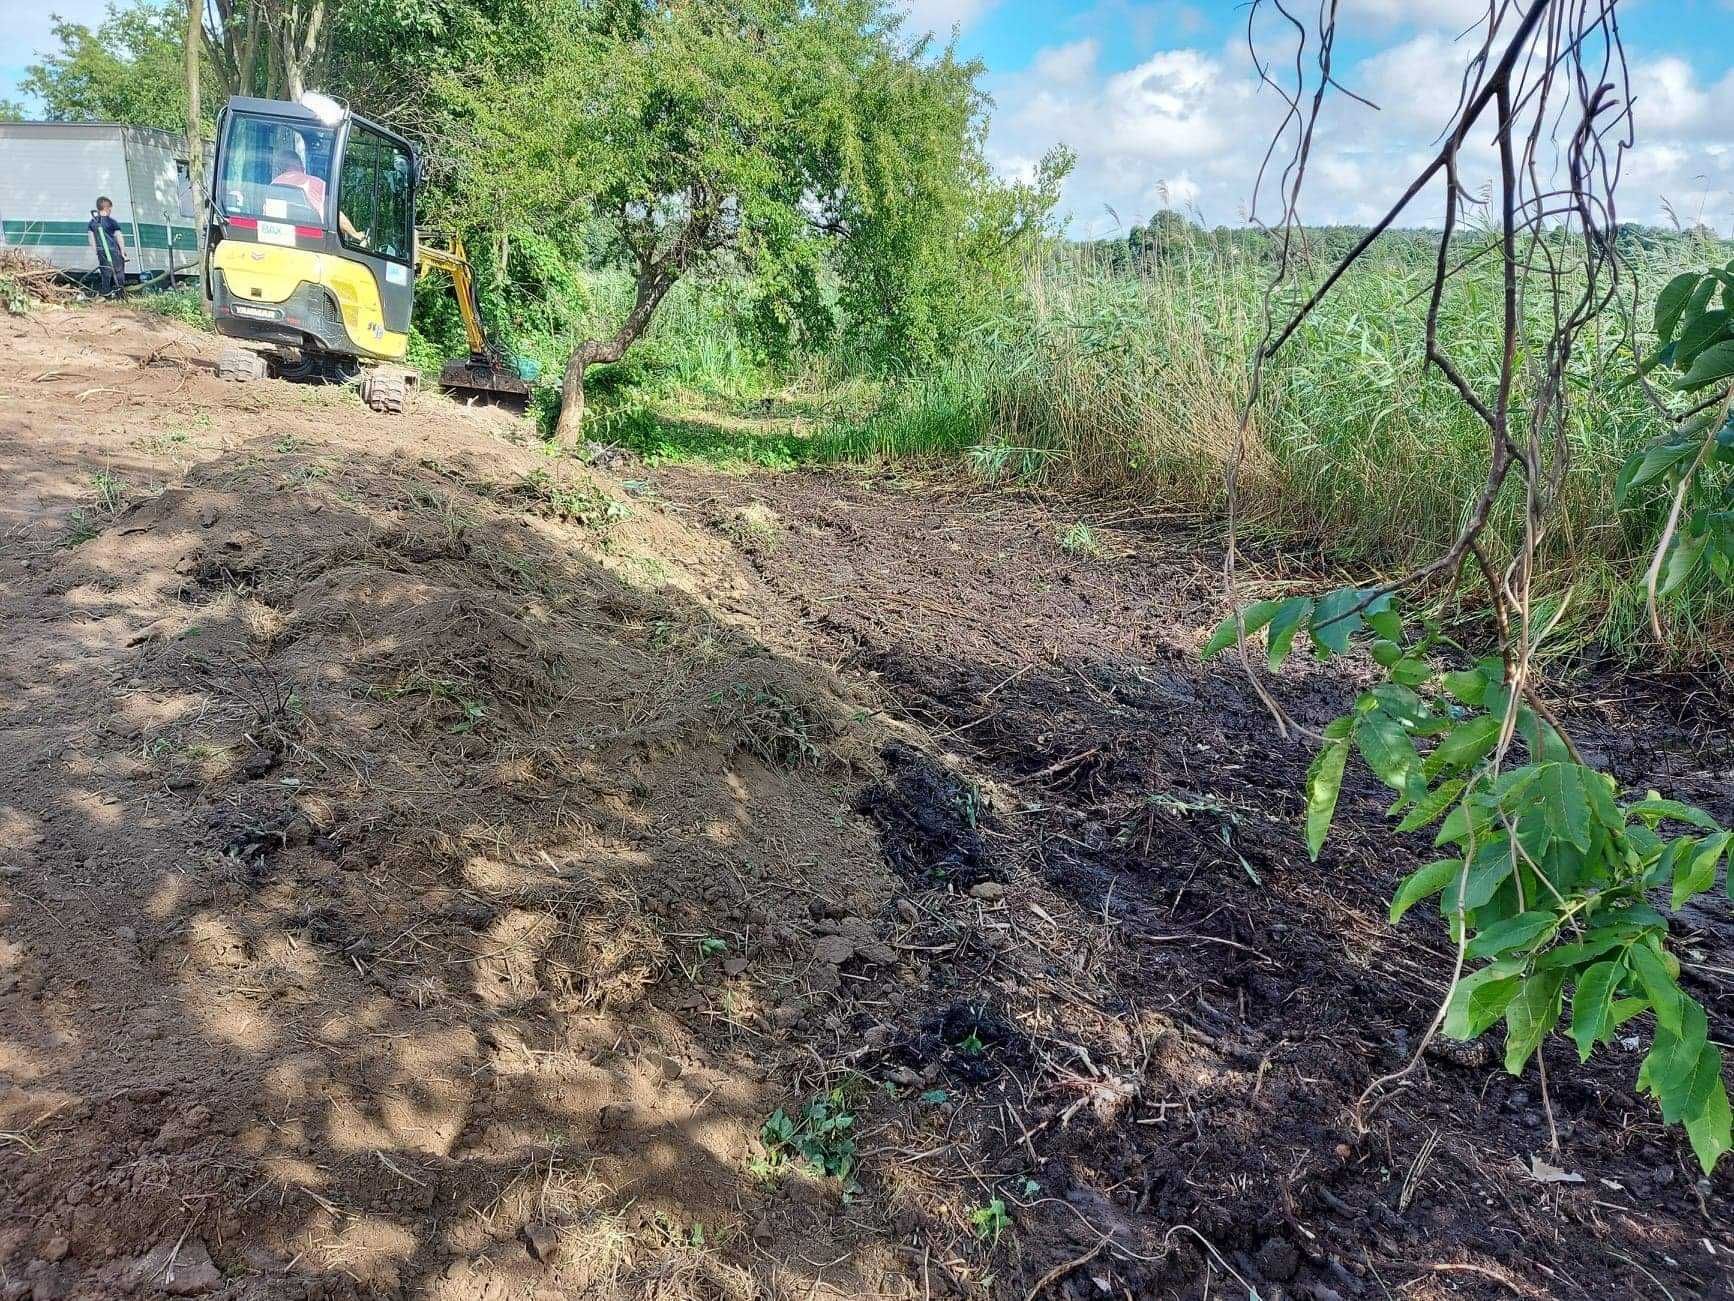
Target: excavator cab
x: 311, y: 251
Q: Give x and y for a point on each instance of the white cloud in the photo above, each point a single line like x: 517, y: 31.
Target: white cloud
x: 1188, y: 127
x: 1066, y: 65
x: 1416, y: 82
x: 1669, y: 101
x: 1454, y: 15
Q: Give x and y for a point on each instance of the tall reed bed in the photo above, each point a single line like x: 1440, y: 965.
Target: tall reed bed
x: 1132, y: 382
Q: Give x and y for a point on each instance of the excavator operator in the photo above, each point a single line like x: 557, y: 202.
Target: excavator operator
x: 289, y: 169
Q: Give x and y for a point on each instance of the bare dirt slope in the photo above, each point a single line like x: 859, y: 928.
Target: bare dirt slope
x: 425, y: 865
x: 395, y: 854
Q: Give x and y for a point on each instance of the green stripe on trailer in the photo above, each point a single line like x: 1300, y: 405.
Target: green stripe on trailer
x: 12, y: 229
x: 156, y: 236
x: 72, y: 234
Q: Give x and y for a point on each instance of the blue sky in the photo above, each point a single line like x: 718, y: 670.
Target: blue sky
x: 1158, y: 100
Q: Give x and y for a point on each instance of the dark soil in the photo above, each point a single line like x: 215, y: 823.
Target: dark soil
x: 928, y: 822
x: 1208, y: 1014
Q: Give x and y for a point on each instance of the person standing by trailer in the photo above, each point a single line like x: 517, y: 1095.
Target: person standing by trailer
x: 110, y: 246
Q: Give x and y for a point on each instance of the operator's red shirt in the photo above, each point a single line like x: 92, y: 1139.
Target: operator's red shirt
x: 311, y: 186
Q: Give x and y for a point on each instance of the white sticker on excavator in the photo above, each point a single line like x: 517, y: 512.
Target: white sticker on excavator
x: 277, y: 232
x: 395, y: 274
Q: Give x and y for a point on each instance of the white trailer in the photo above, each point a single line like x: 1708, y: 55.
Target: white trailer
x: 52, y: 172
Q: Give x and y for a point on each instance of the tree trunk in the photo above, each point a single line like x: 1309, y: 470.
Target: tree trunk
x: 654, y: 281
x: 298, y: 49
x: 195, y: 136
x: 247, y: 57
x: 293, y: 81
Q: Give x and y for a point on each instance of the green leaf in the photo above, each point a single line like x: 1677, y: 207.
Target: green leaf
x: 1386, y: 654
x: 1227, y: 632
x: 1656, y: 459
x: 1410, y: 672
x: 1287, y: 621
x: 1529, y: 1016
x: 1491, y: 869
x: 1592, y: 1006
x: 1679, y: 1068
x: 1333, y: 623
x: 1709, y: 1128
x: 1468, y: 742
x: 1471, y: 817
x: 1480, y: 999
x: 1704, y: 330
x: 1592, y: 945
x: 1512, y: 933
x: 1683, y: 558
x: 1430, y: 807
x: 1714, y: 363
x: 1646, y: 962
x: 1402, y: 704
x: 1387, y: 749
x: 1672, y: 301
x: 1668, y: 862
x: 1654, y: 809
x: 1565, y: 806
x: 1696, y: 302
x: 1513, y: 785
x: 1387, y: 623
x: 1324, y: 782
x: 1468, y: 685
x: 1626, y: 1008
x: 1422, y: 883
x: 1696, y: 872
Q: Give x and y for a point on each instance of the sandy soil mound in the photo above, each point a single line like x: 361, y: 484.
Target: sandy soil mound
x: 407, y: 887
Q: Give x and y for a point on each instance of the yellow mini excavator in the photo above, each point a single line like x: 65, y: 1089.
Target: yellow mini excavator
x: 311, y: 255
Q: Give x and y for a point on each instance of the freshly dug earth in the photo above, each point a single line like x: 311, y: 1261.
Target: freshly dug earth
x: 1203, y: 1021
x: 415, y: 869
x: 426, y: 866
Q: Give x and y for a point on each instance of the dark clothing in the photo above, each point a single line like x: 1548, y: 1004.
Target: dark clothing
x: 109, y: 259
x: 105, y: 228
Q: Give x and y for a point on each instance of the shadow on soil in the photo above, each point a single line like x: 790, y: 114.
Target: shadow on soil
x: 400, y: 899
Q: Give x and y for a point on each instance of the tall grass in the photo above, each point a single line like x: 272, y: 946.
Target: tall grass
x: 1133, y: 383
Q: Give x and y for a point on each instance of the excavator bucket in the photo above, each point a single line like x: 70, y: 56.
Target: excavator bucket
x: 483, y: 376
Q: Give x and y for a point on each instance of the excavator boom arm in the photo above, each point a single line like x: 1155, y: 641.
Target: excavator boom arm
x: 486, y: 372
x: 430, y: 257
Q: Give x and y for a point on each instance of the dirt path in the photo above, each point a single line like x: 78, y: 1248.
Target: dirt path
x: 432, y: 869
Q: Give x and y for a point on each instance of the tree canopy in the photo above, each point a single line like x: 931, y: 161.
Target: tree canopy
x: 127, y: 69
x: 792, y: 142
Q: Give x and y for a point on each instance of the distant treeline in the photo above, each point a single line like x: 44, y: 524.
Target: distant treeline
x: 1169, y: 234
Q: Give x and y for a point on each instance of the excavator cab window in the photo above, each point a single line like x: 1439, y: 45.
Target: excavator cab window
x: 376, y: 195
x: 276, y: 170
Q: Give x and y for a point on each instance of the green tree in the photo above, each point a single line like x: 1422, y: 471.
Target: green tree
x: 128, y: 69
x: 780, y: 138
